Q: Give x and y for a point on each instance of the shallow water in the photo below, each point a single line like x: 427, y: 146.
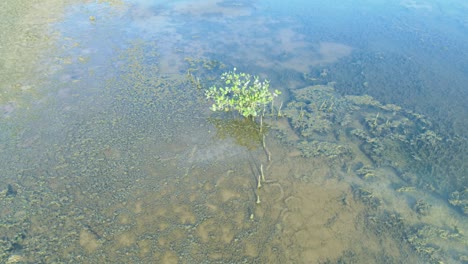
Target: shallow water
x: 110, y: 153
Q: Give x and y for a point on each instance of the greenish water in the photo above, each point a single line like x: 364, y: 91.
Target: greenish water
x: 110, y: 153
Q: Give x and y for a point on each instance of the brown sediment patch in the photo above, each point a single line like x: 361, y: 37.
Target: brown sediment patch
x: 215, y: 256
x: 163, y: 225
x: 171, y: 239
x: 309, y: 220
x: 126, y: 239
x: 88, y: 241
x: 232, y: 185
x: 138, y: 207
x: 206, y: 229
x: 251, y: 249
x: 293, y: 203
x: 228, y: 194
x: 227, y: 233
x: 274, y: 191
x: 154, y: 219
x: 315, y: 211
x: 321, y: 221
x: 170, y: 257
x: 125, y: 218
x: 144, y: 247
x: 208, y: 186
x: 184, y: 214
x: 284, y: 125
x: 211, y: 207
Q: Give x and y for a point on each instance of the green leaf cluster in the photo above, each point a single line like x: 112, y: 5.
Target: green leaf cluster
x: 241, y: 92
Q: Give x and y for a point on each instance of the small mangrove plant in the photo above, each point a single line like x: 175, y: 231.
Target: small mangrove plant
x: 241, y: 92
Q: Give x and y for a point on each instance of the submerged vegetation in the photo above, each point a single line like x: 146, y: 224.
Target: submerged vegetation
x: 383, y: 142
x: 386, y: 134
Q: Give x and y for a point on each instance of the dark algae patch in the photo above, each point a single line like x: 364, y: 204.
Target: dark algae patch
x: 383, y: 143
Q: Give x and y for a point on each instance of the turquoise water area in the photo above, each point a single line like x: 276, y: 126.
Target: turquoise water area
x: 109, y: 151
